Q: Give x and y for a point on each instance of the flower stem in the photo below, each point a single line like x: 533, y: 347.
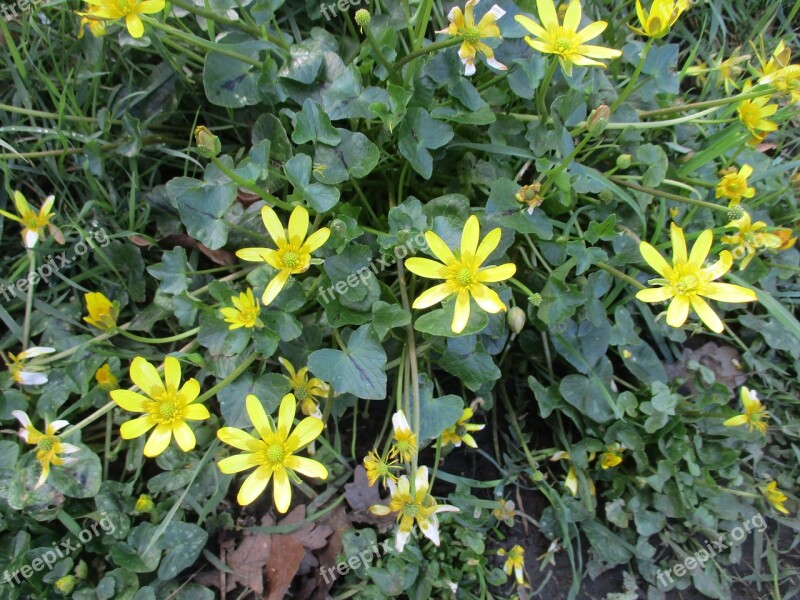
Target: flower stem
x: 542, y: 91
x: 623, y: 276
x: 236, y: 24
x: 232, y: 376
x: 378, y: 54
x: 26, y: 324
x: 707, y: 103
x: 434, y: 47
x: 551, y: 175
x: 632, y: 81
x: 164, y: 340
x: 423, y: 16
x: 522, y: 287
x: 250, y: 185
x: 668, y: 195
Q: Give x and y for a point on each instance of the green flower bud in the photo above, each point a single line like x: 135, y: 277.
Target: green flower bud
x: 624, y: 161
x: 82, y: 570
x: 598, y: 120
x: 208, y: 144
x: 516, y: 319
x: 144, y: 504
x: 66, y: 584
x: 606, y: 196
x: 363, y: 18
x: 535, y: 300
x: 735, y: 212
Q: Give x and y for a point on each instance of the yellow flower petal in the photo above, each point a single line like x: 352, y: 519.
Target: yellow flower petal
x: 548, y: 14
x: 238, y: 463
x: 274, y: 287
x: 306, y: 431
x: 470, y: 237
x: 254, y: 485
x: 678, y: 311
x: 286, y: 412
x: 425, y: 267
x: 701, y: 248
x: 433, y: 296
x: 281, y: 490
x: 659, y: 294
x: 136, y: 29
x: 497, y: 274
x: 136, y: 427
x: 129, y: 400
x: 258, y: 416
x: 298, y: 226
x: 727, y: 292
x: 461, y: 312
x: 653, y: 258
x: 707, y: 314
x: 196, y: 412
x: 735, y: 421
x: 488, y: 245
x: 189, y: 392
x: 146, y: 377
x: 306, y: 466
x: 678, y: 246
x: 172, y: 374
x: 184, y: 436
x: 439, y: 248
x: 239, y: 439
x: 572, y: 17
x: 158, y: 440
x: 487, y: 298
x: 316, y: 240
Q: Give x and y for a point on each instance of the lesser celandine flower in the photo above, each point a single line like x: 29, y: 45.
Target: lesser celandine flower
x: 564, y: 40
x: 293, y: 255
x: 274, y: 454
x: 245, y: 312
x: 751, y: 237
x: 167, y: 406
x: 33, y: 223
x: 463, y: 273
x: 306, y: 390
x: 419, y: 507
x: 687, y: 281
x: 377, y: 468
x: 28, y: 374
x: 105, y: 378
x: 780, y: 58
x: 103, y: 312
x: 130, y: 10
x: 611, y: 457
x: 755, y: 414
x: 571, y: 481
x: 49, y: 447
x: 754, y: 114
x: 505, y: 511
x: 775, y: 497
x: 462, y: 430
x: 662, y: 15
x: 463, y: 24
x: 405, y: 442
x: 734, y: 187
x: 515, y: 562
x: 786, y: 81
x: 97, y: 28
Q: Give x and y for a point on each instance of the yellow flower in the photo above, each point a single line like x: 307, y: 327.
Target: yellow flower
x: 103, y: 312
x: 49, y: 446
x: 775, y: 497
x: 97, y: 28
x: 246, y: 312
x: 33, y: 223
x: 419, y: 507
x: 687, y: 281
x: 786, y: 80
x: 505, y: 511
x: 461, y: 431
x: 754, y: 412
x: 405, y: 442
x: 611, y: 457
x: 729, y: 70
x: 105, y: 378
x: 293, y: 255
x: 565, y: 41
x: 306, y: 390
x: 28, y: 374
x: 571, y: 481
x: 662, y: 16
x: 749, y: 239
x: 130, y: 10
x: 377, y: 468
x: 734, y: 185
x: 529, y: 196
x: 753, y: 113
x: 144, y: 504
x: 780, y: 58
x: 463, y: 24
x: 462, y: 273
x: 274, y: 454
x: 515, y: 562
x: 167, y: 406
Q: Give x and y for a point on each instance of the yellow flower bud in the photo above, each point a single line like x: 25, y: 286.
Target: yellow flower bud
x: 208, y: 144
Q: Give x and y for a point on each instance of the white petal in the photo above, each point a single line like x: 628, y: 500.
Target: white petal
x: 69, y: 449
x: 421, y: 482
x: 35, y: 351
x: 399, y: 421
x: 31, y: 237
x: 28, y: 378
x: 430, y: 530
x: 401, y: 539
x: 493, y: 62
x: 497, y: 12
x: 469, y: 68
x: 21, y: 417
x: 60, y: 424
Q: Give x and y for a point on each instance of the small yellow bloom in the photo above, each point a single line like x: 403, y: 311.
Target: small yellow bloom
x: 662, y: 16
x: 754, y: 114
x: 273, y: 454
x: 733, y: 186
x: 687, y: 280
x: 461, y: 431
x: 97, y: 28
x: 515, y: 562
x: 729, y: 71
x: 611, y: 457
x: 780, y: 58
x: 105, y: 378
x: 103, y: 312
x: 752, y: 237
x: 167, y: 406
x: 463, y: 24
x: 306, y: 390
x: 130, y: 10
x: 786, y: 81
x: 377, y: 468
x: 293, y: 255
x: 755, y: 414
x: 419, y: 507
x: 564, y: 40
x: 505, y: 511
x: 33, y: 223
x: 405, y: 442
x: 28, y: 374
x: 775, y: 497
x: 571, y: 481
x: 245, y: 313
x: 529, y: 196
x: 49, y: 446
x: 462, y: 273
x: 144, y: 504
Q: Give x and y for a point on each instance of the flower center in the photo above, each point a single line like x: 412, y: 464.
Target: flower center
x: 734, y: 185
x: 124, y: 7
x: 291, y: 259
x: 46, y: 443
x: 750, y: 115
x: 472, y: 35
x: 249, y: 315
x: 300, y: 393
x: 167, y: 411
x: 686, y: 284
x: 411, y: 509
x: 464, y: 277
x: 563, y: 45
x: 276, y: 454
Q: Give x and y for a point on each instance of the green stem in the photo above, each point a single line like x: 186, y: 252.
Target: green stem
x: 668, y: 195
x: 524, y: 288
x: 617, y: 273
x: 632, y: 82
x: 236, y: 24
x: 378, y: 54
x: 423, y: 17
x: 551, y: 175
x: 412, y: 360
x: 250, y: 185
x: 434, y: 47
x: 26, y: 324
x: 706, y: 104
x: 229, y: 379
x: 164, y: 340
x: 542, y: 91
